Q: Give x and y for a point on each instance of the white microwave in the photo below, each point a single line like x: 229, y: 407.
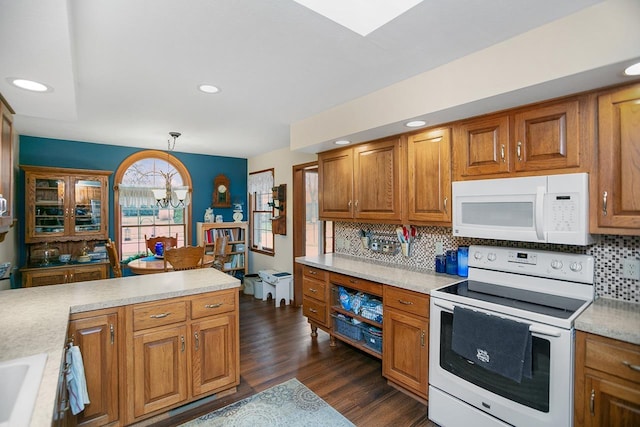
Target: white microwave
x: 544, y: 209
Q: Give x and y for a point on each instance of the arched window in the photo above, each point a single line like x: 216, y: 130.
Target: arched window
x: 137, y: 213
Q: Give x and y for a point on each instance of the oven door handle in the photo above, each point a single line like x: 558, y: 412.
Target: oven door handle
x: 443, y: 305
x: 541, y: 331
x: 534, y: 329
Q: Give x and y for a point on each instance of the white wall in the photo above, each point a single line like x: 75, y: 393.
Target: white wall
x: 563, y: 57
x: 282, y: 162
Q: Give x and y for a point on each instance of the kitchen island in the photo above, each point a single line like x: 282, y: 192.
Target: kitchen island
x: 34, y: 320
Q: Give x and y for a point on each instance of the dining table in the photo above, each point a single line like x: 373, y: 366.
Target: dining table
x: 153, y: 264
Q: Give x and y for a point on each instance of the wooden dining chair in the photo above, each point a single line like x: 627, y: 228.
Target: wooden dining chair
x: 114, y: 259
x: 167, y: 241
x: 184, y: 258
x: 220, y: 253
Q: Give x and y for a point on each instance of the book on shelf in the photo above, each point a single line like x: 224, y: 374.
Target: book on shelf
x: 232, y: 234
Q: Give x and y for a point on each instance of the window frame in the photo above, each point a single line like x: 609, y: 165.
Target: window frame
x: 252, y: 211
x: 125, y: 165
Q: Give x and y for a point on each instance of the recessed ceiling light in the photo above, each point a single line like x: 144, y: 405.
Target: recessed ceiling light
x: 29, y: 85
x: 633, y: 70
x: 209, y: 88
x: 342, y: 142
x: 415, y: 123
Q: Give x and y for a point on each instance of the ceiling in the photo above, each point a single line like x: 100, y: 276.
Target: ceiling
x: 126, y: 72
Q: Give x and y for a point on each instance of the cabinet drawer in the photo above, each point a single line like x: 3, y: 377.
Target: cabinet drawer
x: 314, y: 289
x: 406, y: 301
x: 613, y: 359
x: 357, y: 284
x: 314, y: 310
x: 314, y: 273
x: 158, y: 314
x: 215, y: 303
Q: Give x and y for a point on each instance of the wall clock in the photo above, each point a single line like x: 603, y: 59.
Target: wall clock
x: 221, y: 193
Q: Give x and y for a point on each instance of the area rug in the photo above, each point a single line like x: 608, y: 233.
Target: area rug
x: 288, y: 404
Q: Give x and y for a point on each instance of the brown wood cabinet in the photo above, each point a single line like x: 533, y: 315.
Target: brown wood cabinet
x: 362, y: 182
x: 554, y: 136
x: 429, y: 177
x: 181, y: 350
x: 405, y: 354
x: 97, y: 333
x: 615, y: 207
x: 6, y: 164
x: 65, y: 204
x: 64, y: 274
x: 315, y: 297
x: 404, y: 347
x: 607, y: 384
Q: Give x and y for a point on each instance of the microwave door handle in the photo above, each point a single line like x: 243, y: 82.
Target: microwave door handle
x: 540, y: 213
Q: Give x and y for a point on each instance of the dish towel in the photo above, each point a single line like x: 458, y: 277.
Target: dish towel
x: 499, y: 345
x: 76, y: 381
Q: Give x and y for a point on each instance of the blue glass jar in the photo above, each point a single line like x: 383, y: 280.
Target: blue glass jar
x: 463, y: 261
x: 441, y: 262
x: 159, y: 249
x: 452, y: 262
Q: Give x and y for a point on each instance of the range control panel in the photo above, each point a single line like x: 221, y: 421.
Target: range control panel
x: 553, y: 265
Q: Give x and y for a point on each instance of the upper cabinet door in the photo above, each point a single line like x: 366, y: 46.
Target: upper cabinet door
x: 335, y: 186
x: 548, y: 137
x: 617, y: 203
x: 482, y: 146
x: 376, y: 169
x: 429, y: 170
x: 65, y: 204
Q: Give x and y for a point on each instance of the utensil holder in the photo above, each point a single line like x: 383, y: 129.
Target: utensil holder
x: 406, y: 249
x: 365, y: 242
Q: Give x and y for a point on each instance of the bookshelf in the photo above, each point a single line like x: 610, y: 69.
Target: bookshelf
x: 236, y: 234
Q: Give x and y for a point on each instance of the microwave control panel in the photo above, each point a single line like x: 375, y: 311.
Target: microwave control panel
x: 563, y: 210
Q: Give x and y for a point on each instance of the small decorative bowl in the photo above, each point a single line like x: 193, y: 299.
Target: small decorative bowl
x: 84, y: 258
x: 65, y: 258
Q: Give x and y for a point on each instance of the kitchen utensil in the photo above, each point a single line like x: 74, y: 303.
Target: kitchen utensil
x: 414, y: 233
x: 400, y: 235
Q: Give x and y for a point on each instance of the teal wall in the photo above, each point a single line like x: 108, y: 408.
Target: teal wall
x: 37, y: 151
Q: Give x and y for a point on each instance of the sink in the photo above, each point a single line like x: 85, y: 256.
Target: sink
x: 19, y: 388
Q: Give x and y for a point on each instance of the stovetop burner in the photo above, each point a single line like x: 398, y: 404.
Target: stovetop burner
x: 535, y: 302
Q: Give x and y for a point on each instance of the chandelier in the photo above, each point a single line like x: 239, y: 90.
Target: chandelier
x: 175, y: 197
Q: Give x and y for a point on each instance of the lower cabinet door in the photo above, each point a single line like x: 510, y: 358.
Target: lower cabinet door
x: 45, y: 277
x: 405, y: 351
x: 84, y: 274
x: 96, y: 337
x: 160, y: 369
x: 215, y: 361
x: 611, y: 404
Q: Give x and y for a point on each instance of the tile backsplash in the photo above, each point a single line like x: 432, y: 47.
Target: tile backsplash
x: 608, y: 252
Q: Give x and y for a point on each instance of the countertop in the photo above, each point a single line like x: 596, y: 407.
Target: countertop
x: 423, y: 281
x: 607, y: 317
x: 613, y: 319
x: 34, y: 320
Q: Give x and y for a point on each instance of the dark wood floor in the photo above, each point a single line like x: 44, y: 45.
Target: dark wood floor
x: 275, y: 346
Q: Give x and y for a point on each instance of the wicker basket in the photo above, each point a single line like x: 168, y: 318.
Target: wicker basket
x: 344, y: 327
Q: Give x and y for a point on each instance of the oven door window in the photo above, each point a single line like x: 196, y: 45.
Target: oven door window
x: 533, y: 392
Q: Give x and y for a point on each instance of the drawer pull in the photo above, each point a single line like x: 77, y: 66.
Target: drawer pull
x: 195, y: 335
x: 313, y: 310
x: 604, y: 203
x: 159, y: 316
x: 353, y: 281
x: 112, y: 332
x: 401, y: 301
x: 182, y: 342
x: 218, y: 305
x: 315, y: 291
x: 312, y: 272
x: 630, y: 366
x: 592, y: 403
x: 422, y: 334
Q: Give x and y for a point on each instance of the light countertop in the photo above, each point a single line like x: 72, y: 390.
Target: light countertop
x: 34, y: 320
x: 613, y: 319
x: 423, y: 281
x: 607, y: 317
